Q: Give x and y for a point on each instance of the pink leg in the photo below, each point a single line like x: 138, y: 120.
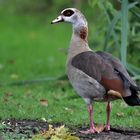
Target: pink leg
x: 108, y: 110
x: 92, y: 128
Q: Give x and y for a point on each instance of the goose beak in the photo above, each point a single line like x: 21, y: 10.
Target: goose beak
x: 58, y: 19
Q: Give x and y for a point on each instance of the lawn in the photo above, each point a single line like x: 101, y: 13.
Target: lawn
x: 30, y: 50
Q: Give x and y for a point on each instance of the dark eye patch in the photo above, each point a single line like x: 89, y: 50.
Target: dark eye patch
x: 68, y: 13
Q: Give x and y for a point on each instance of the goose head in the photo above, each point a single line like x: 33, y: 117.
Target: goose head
x: 71, y: 15
x: 78, y: 21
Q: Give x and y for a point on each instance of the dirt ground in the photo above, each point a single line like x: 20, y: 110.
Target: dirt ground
x: 27, y: 128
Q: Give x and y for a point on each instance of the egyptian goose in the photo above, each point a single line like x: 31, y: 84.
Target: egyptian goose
x: 94, y: 74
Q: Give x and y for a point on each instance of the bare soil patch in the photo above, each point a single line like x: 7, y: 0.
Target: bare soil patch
x: 27, y: 128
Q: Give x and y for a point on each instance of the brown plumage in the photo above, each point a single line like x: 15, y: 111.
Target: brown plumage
x: 98, y: 68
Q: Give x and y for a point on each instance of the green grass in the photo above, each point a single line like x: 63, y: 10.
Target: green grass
x: 27, y: 42
x: 29, y: 49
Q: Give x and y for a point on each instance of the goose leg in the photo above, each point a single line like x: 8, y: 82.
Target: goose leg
x: 92, y: 127
x: 108, y: 110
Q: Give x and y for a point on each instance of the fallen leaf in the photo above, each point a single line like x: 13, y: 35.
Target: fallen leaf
x: 12, y: 61
x: 100, y: 111
x: 28, y: 92
x: 58, y: 133
x: 44, y: 102
x: 14, y: 76
x: 5, y: 99
x: 99, y: 128
x: 1, y: 66
x: 44, y: 119
x: 68, y: 110
x: 120, y: 114
x: 49, y: 120
x: 137, y: 112
x: 6, y: 96
x: 57, y: 96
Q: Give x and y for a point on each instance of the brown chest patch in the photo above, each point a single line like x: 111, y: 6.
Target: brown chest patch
x: 83, y: 33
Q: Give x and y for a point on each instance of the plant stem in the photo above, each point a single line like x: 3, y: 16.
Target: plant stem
x: 124, y: 31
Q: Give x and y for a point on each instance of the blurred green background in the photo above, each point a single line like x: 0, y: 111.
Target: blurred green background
x: 30, y: 46
x: 33, y: 49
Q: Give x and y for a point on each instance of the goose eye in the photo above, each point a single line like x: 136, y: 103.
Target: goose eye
x: 68, y: 13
